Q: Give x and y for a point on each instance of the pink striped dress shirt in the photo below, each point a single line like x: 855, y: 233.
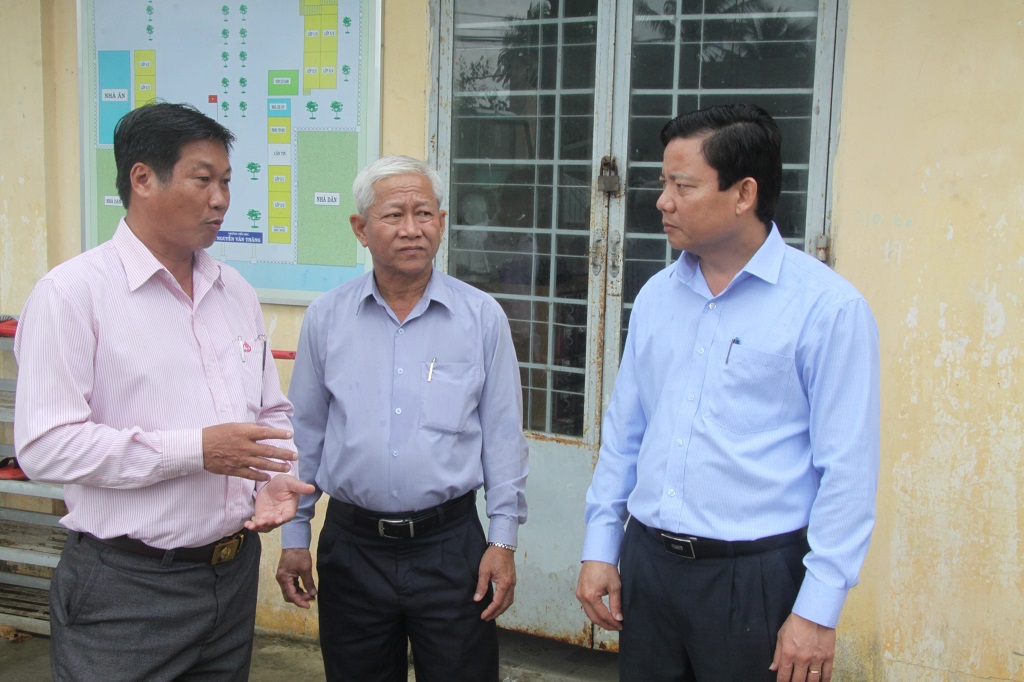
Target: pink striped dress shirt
x: 119, y: 372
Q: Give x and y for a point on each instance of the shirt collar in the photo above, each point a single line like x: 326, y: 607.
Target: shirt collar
x: 437, y: 290
x: 205, y: 269
x: 140, y: 264
x: 765, y: 264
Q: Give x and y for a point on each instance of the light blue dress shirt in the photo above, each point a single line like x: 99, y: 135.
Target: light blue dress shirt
x: 747, y: 414
x: 396, y: 416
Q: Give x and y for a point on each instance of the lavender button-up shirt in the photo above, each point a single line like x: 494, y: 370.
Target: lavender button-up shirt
x: 396, y: 416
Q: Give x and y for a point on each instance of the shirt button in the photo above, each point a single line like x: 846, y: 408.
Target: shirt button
x: 394, y: 493
x: 401, y: 371
x: 711, y: 306
x: 671, y: 492
x: 700, y: 351
x: 401, y: 331
x: 689, y: 397
x: 679, y: 441
x: 398, y: 410
x: 223, y: 408
x: 394, y: 453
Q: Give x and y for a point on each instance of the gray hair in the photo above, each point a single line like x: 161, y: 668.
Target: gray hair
x: 385, y: 167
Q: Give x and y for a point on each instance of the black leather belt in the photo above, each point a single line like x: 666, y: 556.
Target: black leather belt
x: 693, y: 547
x: 225, y: 549
x: 404, y: 525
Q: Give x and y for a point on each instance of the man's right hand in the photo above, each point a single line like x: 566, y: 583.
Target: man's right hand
x: 597, y: 580
x: 233, y: 450
x: 296, y: 565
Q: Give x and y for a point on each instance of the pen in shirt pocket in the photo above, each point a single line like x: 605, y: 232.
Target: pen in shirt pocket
x: 734, y: 342
x: 430, y: 372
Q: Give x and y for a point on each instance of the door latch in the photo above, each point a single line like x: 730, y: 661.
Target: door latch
x: 615, y: 254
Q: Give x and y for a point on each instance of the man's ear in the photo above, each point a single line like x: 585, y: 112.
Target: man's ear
x: 358, y: 224
x: 746, y: 195
x: 442, y: 216
x: 143, y: 180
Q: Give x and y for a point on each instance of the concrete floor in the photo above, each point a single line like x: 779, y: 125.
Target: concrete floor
x: 275, y: 659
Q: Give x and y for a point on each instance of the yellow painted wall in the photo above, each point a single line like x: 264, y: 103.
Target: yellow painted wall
x: 928, y: 211
x: 928, y: 205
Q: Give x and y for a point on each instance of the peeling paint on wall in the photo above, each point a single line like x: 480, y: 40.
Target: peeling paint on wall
x: 931, y: 214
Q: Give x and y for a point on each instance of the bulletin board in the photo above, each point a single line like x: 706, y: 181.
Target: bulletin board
x: 296, y: 81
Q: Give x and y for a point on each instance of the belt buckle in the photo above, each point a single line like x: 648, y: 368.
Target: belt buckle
x: 397, y: 523
x: 226, y: 550
x: 679, y: 546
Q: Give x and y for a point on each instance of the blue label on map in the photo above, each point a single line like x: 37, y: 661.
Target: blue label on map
x: 240, y: 237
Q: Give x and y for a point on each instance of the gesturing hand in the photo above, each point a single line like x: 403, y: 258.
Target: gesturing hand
x: 276, y: 502
x: 233, y: 450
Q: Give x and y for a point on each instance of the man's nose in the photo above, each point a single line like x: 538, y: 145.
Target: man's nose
x: 221, y: 197
x: 409, y: 226
x: 663, y: 204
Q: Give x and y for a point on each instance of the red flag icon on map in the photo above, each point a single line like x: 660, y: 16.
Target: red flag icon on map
x: 212, y: 99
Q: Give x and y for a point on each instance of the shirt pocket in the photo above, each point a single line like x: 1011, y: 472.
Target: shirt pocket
x: 449, y: 394
x: 751, y: 391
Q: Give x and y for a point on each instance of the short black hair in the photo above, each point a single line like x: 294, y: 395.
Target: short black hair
x: 740, y: 141
x: 154, y: 134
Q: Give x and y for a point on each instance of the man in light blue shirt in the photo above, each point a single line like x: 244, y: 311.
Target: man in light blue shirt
x: 407, y: 399
x: 742, y: 437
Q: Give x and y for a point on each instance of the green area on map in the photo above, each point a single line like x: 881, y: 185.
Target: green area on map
x: 327, y: 164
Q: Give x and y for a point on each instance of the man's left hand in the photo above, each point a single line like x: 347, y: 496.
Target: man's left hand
x: 497, y: 566
x: 804, y: 651
x: 277, y: 502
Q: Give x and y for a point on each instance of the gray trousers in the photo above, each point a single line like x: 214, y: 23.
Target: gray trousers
x: 120, y: 616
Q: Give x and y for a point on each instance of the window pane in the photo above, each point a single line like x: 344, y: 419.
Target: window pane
x: 691, y: 54
x: 521, y: 148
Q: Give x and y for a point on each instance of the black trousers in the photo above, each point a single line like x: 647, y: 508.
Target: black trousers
x: 702, y: 620
x: 378, y: 594
x: 120, y: 616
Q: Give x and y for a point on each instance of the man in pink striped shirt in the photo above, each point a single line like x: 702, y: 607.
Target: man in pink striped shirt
x: 144, y: 387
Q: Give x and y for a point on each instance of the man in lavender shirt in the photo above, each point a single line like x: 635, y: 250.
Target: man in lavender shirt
x: 407, y: 400
x: 144, y: 387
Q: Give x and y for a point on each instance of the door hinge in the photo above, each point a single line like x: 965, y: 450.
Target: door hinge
x: 823, y: 248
